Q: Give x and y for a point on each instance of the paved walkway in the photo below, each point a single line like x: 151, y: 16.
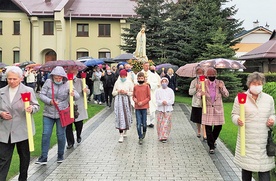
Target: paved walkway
x: 101, y: 157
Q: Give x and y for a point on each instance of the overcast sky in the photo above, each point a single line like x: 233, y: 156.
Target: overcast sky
x: 251, y: 10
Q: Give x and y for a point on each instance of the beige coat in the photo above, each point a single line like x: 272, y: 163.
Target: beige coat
x: 256, y: 115
x: 16, y: 127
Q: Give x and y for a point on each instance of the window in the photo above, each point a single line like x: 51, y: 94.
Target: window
x: 48, y: 27
x: 104, y: 54
x: 1, y: 56
x: 82, y: 30
x: 1, y: 32
x: 82, y: 54
x: 16, y: 56
x: 16, y: 27
x: 104, y: 30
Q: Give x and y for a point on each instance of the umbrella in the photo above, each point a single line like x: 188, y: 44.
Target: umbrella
x: 32, y: 65
x: 187, y: 70
x: 166, y: 66
x: 24, y: 64
x: 66, y: 64
x: 84, y: 59
x: 2, y: 65
x: 124, y: 57
x: 107, y: 60
x: 222, y: 63
x: 93, y: 62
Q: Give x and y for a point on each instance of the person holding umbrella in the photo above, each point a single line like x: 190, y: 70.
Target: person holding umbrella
x: 214, y: 117
x: 196, y: 113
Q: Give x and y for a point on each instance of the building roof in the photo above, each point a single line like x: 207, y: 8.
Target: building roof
x: 266, y: 50
x: 247, y: 32
x: 79, y: 8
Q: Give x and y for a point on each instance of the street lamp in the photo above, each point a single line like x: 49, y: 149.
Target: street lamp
x: 70, y: 34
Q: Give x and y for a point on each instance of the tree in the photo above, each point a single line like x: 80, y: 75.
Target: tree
x: 218, y: 47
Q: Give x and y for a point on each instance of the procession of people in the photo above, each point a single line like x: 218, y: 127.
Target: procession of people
x: 145, y: 95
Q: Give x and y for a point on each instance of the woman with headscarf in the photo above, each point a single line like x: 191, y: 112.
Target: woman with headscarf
x: 122, y: 91
x: 59, y: 85
x: 165, y: 100
x: 13, y: 126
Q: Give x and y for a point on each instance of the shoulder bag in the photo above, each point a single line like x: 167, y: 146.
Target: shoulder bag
x: 64, y: 115
x: 270, y: 146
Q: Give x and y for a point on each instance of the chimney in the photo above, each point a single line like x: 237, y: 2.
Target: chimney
x: 255, y: 24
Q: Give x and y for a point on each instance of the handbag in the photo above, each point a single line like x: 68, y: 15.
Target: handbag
x: 64, y: 115
x: 270, y: 146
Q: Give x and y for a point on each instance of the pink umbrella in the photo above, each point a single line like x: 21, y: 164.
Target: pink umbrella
x: 222, y: 63
x: 66, y: 64
x: 187, y: 70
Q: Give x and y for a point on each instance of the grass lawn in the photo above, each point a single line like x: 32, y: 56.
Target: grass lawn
x: 14, y: 168
x: 229, y: 131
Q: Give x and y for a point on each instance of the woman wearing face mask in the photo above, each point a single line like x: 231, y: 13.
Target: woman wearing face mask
x: 57, y: 83
x: 259, y: 116
x: 214, y: 117
x: 164, y: 100
x: 196, y: 113
x: 122, y: 91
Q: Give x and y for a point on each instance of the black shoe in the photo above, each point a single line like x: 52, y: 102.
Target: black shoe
x: 78, y: 140
x: 41, y: 161
x: 69, y: 146
x: 151, y: 126
x: 144, y: 134
x: 211, y: 151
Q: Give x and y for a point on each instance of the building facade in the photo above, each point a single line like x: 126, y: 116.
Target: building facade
x: 48, y: 30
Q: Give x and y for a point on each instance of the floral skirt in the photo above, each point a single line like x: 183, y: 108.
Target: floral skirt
x: 164, y: 124
x: 122, y: 110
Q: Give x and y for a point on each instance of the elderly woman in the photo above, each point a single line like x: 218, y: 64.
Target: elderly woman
x: 82, y: 111
x: 13, y: 127
x: 164, y: 101
x: 58, y: 84
x: 122, y: 91
x: 172, y: 79
x: 259, y: 116
x: 214, y: 117
x: 196, y: 113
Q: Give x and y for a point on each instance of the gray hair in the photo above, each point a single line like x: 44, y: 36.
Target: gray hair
x: 16, y: 70
x: 255, y: 76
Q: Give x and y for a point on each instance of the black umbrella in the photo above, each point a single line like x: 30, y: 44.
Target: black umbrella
x: 24, y: 64
x: 107, y: 60
x: 124, y: 57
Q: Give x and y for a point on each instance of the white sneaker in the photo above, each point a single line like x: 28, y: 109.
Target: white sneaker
x: 125, y: 134
x: 121, y: 139
x: 100, y: 103
x: 95, y: 102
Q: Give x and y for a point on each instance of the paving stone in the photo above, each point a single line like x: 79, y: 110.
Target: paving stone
x: 101, y: 157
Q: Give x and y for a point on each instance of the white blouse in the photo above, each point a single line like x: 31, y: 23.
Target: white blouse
x: 164, y: 95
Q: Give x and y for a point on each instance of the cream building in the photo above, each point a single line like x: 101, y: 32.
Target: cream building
x: 47, y: 30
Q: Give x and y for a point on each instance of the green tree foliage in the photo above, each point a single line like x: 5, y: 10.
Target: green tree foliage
x: 218, y: 47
